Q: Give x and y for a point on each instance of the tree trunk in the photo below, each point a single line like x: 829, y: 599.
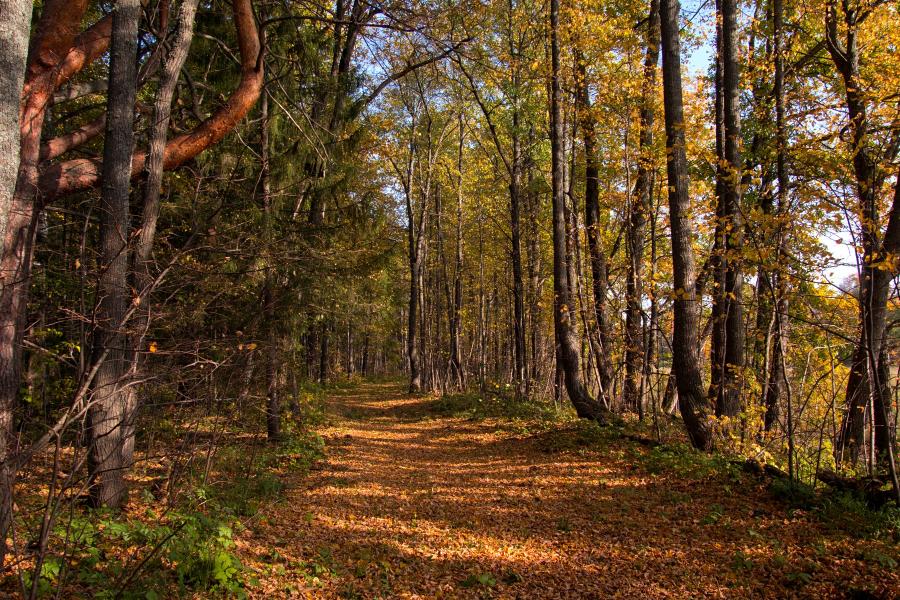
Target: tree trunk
x: 730, y: 321
x: 15, y: 26
x: 108, y: 415
x: 456, y: 369
x: 323, y: 351
x: 685, y: 359
x: 142, y: 273
x: 775, y: 382
x: 863, y: 384
x: 599, y: 275
x: 637, y: 222
x: 273, y: 405
x: 563, y: 309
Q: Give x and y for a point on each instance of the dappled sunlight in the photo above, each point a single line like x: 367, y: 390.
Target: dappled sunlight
x: 449, y: 507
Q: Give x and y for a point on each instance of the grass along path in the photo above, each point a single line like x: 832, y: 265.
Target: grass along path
x: 410, y: 504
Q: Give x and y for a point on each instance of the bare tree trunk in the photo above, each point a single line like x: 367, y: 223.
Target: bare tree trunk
x: 563, y: 308
x: 685, y: 359
x: 456, y: 310
x: 775, y: 382
x: 108, y: 413
x: 863, y: 385
x: 731, y: 323
x: 15, y: 26
x: 273, y: 405
x: 640, y: 209
x: 364, y: 365
x: 324, y: 335
x: 599, y: 275
x: 142, y: 264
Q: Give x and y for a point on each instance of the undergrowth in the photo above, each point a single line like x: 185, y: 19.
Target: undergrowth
x: 497, y: 401
x: 162, y: 547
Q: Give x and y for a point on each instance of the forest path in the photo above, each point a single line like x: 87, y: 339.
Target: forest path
x: 413, y: 505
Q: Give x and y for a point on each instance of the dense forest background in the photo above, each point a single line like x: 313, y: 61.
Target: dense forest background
x: 684, y: 219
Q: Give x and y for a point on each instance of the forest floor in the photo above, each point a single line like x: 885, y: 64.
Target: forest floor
x: 416, y: 501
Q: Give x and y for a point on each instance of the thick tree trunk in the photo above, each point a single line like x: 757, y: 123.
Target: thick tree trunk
x: 637, y: 220
x: 563, y: 308
x: 15, y: 26
x: 109, y: 414
x: 685, y: 359
x: 53, y: 38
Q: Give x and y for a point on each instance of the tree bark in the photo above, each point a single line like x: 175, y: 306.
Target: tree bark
x: 730, y: 322
x: 455, y: 324
x: 142, y: 267
x: 776, y: 379
x: 599, y: 272
x: 637, y: 221
x: 685, y: 354
x: 108, y: 415
x: 563, y: 309
x: 863, y: 384
x: 15, y: 26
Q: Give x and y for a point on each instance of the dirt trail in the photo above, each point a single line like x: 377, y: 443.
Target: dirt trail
x: 413, y: 506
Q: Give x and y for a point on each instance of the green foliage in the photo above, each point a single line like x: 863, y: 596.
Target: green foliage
x: 686, y: 462
x: 850, y: 514
x: 256, y: 469
x: 479, y: 579
x: 187, y: 550
x: 500, y: 401
x: 795, y: 493
x: 117, y: 556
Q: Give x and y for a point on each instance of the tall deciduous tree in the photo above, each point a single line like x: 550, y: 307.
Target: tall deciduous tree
x: 640, y: 210
x: 108, y: 414
x: 685, y: 353
x: 564, y: 309
x: 728, y: 336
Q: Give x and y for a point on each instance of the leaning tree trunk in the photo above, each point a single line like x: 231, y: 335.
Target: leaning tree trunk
x: 15, y: 26
x: 563, y: 309
x: 108, y: 412
x: 637, y: 222
x: 685, y: 354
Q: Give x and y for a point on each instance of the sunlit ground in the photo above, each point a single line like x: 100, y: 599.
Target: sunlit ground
x: 411, y: 506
